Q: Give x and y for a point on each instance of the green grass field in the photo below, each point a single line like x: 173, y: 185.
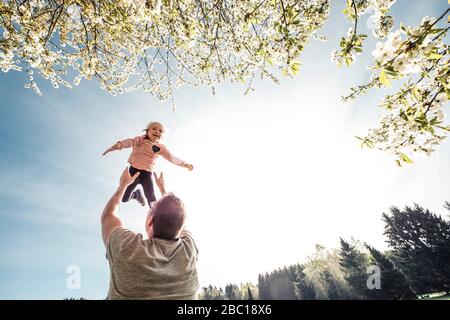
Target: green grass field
x: 437, y: 297
x: 445, y: 297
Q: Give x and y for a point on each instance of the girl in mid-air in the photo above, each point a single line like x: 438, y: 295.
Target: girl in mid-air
x: 146, y: 149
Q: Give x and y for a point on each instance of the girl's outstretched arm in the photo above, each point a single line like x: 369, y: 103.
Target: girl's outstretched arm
x: 127, y: 143
x: 171, y: 158
x: 116, y: 146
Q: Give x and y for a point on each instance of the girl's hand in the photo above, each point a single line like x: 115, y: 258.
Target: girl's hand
x: 188, y: 166
x: 107, y: 150
x: 113, y: 148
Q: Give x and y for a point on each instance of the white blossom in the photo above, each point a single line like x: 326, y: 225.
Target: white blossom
x: 115, y: 41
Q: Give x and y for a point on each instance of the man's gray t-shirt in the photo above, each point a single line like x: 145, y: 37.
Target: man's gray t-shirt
x: 152, y: 268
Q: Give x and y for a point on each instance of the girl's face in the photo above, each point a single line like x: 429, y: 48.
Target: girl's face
x: 155, y: 132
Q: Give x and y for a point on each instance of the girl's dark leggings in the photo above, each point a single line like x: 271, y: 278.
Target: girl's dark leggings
x: 145, y: 180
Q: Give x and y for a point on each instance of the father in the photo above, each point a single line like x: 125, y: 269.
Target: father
x: 160, y: 267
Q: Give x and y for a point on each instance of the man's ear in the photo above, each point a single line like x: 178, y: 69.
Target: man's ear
x: 149, y: 225
x: 149, y: 221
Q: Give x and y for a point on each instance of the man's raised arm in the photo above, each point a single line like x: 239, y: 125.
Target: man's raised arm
x: 110, y: 218
x: 160, y: 183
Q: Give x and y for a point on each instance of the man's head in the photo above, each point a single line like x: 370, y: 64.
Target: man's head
x: 166, y: 219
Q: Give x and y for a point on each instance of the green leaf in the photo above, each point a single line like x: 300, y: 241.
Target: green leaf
x: 383, y: 78
x: 443, y: 128
x: 435, y: 56
x: 404, y: 116
x: 402, y: 26
x: 437, y: 30
x: 416, y: 93
x: 390, y: 71
x: 295, y: 67
x: 405, y: 158
x: 435, y: 121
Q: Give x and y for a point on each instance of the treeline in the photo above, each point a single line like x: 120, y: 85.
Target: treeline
x: 416, y: 263
x: 244, y: 291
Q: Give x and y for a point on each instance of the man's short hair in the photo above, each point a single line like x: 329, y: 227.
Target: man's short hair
x: 168, y: 217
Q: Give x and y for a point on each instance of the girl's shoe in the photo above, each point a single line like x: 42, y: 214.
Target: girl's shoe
x: 137, y: 195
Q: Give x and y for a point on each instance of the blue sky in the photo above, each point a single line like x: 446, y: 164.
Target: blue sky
x: 276, y: 171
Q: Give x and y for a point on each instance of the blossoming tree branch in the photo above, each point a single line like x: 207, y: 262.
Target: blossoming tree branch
x: 159, y: 45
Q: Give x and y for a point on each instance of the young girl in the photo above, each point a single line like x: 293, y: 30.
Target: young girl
x: 146, y: 149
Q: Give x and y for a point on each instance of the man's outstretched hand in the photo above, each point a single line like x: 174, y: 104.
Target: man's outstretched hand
x: 160, y: 182
x: 126, y: 179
